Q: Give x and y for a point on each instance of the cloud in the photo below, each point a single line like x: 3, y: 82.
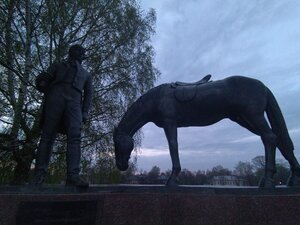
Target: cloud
x: 295, y: 130
x: 244, y: 140
x: 223, y: 38
x: 149, y: 152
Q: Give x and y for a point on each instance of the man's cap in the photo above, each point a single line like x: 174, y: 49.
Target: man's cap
x: 75, y: 49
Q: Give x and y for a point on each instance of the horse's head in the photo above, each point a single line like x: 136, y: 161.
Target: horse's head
x: 123, y: 148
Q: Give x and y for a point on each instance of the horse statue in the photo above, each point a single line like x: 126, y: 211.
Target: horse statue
x: 241, y: 99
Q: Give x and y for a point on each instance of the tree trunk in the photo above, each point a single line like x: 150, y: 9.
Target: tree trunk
x: 24, y: 160
x: 25, y: 153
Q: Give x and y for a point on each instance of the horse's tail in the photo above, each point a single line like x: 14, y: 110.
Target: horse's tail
x: 284, y: 142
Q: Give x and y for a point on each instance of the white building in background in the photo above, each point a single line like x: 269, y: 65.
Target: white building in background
x: 229, y: 180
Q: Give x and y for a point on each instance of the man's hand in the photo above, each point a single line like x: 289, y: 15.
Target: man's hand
x: 84, y: 117
x: 42, y: 81
x: 41, y: 86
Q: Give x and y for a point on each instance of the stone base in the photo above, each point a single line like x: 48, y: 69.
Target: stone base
x: 146, y: 205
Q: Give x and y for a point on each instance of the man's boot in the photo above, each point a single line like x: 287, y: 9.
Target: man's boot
x: 76, y: 180
x: 73, y: 163
x: 38, y: 179
x: 42, y: 161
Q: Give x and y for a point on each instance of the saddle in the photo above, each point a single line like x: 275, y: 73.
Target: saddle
x: 185, y: 92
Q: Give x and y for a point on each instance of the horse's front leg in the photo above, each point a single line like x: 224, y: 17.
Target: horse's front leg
x: 170, y: 129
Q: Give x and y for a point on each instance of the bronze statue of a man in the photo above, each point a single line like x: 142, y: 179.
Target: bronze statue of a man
x: 67, y: 87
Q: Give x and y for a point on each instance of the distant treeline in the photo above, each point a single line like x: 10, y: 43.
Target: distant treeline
x: 250, y: 172
x: 104, y: 171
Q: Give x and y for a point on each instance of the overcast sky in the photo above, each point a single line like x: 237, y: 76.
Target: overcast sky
x: 258, y: 38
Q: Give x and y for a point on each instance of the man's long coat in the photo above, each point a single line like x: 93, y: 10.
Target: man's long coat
x: 55, y: 74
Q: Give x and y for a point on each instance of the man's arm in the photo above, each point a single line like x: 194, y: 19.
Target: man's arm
x: 87, y: 98
x: 43, y: 80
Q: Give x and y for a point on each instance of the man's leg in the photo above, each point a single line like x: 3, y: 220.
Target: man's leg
x: 73, y: 118
x: 42, y: 159
x: 52, y: 118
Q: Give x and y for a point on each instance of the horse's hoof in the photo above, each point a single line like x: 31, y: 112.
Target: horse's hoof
x: 266, y: 183
x: 293, y: 181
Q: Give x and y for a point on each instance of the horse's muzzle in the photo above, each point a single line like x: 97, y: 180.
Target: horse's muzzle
x: 122, y: 167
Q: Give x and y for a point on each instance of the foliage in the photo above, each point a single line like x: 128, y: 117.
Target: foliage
x: 153, y: 174
x: 34, y: 34
x: 187, y: 177
x: 282, y: 173
x: 218, y: 171
x: 245, y: 170
x: 249, y: 171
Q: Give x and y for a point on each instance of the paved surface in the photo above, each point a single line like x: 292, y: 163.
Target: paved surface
x: 149, y: 205
x: 123, y: 188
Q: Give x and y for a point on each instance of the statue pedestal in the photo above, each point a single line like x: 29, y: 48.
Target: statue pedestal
x: 145, y: 205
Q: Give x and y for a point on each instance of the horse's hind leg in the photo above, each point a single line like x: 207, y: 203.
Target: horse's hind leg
x: 269, y: 141
x: 171, y: 134
x: 294, y: 179
x: 243, y: 122
x: 288, y: 154
x: 268, y: 138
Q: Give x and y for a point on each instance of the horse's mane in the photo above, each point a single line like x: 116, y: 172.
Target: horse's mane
x: 151, y: 95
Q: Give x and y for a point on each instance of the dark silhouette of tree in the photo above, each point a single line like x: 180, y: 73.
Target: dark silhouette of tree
x: 153, y: 175
x: 187, y: 177
x: 259, y: 167
x: 245, y: 170
x: 218, y: 171
x: 201, y: 177
x: 254, y: 171
x: 34, y: 34
x: 282, y: 172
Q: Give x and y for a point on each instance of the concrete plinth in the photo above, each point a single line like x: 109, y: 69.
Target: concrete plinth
x: 149, y: 205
